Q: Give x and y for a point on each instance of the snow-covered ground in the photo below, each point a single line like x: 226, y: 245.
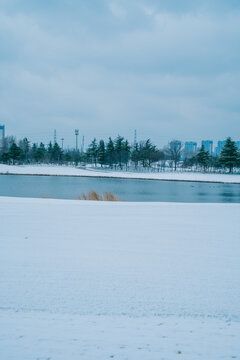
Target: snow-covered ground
x: 73, y: 171
x: 92, y: 280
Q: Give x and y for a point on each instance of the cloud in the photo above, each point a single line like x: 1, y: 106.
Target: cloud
x: 166, y: 71
x: 149, y: 11
x: 117, y: 10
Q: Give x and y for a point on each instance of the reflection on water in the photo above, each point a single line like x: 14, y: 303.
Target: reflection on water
x: 200, y: 193
x: 125, y: 189
x: 227, y: 194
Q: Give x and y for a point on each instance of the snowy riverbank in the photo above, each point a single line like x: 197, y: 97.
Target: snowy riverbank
x: 97, y: 280
x: 73, y: 171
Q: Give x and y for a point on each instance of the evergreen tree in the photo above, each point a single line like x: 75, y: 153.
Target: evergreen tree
x: 126, y: 152
x: 155, y: 155
x: 148, y: 153
x: 203, y: 158
x: 50, y: 152
x: 15, y: 153
x: 135, y: 157
x: 190, y: 161
x: 25, y: 147
x: 42, y: 150
x: 110, y: 153
x: 77, y: 157
x: 92, y: 151
x: 229, y: 155
x: 144, y: 152
x: 101, y: 153
x: 57, y: 153
x: 5, y: 157
x: 68, y: 157
x: 119, y: 150
x: 39, y: 153
x: 34, y: 152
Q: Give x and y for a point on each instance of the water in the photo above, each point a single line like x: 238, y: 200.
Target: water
x: 125, y: 189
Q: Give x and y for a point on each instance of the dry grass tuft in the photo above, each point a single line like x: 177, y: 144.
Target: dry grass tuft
x: 107, y: 196
x: 93, y: 195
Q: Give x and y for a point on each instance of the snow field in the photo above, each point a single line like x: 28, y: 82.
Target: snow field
x: 92, y: 280
x: 73, y: 171
x: 43, y: 337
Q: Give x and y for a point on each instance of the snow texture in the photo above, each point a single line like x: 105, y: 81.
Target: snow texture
x: 94, y: 280
x: 73, y: 171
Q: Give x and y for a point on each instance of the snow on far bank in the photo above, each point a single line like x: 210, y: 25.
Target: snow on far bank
x: 93, y: 280
x: 73, y: 171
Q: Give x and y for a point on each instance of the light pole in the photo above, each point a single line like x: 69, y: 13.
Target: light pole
x: 76, y: 134
x: 62, y: 142
x: 82, y: 149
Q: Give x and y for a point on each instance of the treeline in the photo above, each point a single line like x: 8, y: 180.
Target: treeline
x: 119, y: 154
x: 12, y: 152
x: 228, y: 159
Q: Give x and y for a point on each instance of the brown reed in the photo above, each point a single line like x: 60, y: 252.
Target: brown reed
x: 93, y: 195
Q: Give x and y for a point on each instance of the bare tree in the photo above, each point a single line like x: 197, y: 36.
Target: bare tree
x: 6, y: 143
x: 174, y: 152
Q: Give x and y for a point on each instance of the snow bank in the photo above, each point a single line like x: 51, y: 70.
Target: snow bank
x: 73, y: 171
x: 97, y: 280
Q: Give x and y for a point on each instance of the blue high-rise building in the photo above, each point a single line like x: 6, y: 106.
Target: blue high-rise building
x: 237, y: 144
x: 208, y: 146
x: 221, y: 144
x: 190, y: 147
x: 219, y: 147
x: 2, y: 133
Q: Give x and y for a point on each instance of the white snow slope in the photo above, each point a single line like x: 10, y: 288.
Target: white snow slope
x: 94, y: 280
x: 73, y: 171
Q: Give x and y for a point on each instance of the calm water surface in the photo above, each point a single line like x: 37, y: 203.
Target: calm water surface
x: 125, y: 189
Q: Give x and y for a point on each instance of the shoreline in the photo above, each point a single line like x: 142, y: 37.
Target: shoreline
x: 126, y: 177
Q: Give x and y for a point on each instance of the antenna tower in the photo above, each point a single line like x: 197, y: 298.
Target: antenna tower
x: 55, y: 136
x: 135, y: 137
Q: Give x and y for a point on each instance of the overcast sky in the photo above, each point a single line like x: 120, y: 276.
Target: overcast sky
x: 168, y: 68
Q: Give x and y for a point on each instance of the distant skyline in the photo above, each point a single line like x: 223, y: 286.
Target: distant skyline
x: 170, y: 69
x: 82, y: 143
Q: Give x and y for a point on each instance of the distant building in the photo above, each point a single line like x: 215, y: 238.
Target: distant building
x: 219, y: 147
x: 2, y: 133
x: 175, y: 143
x: 190, y: 147
x: 221, y: 144
x: 208, y: 146
x: 237, y: 144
